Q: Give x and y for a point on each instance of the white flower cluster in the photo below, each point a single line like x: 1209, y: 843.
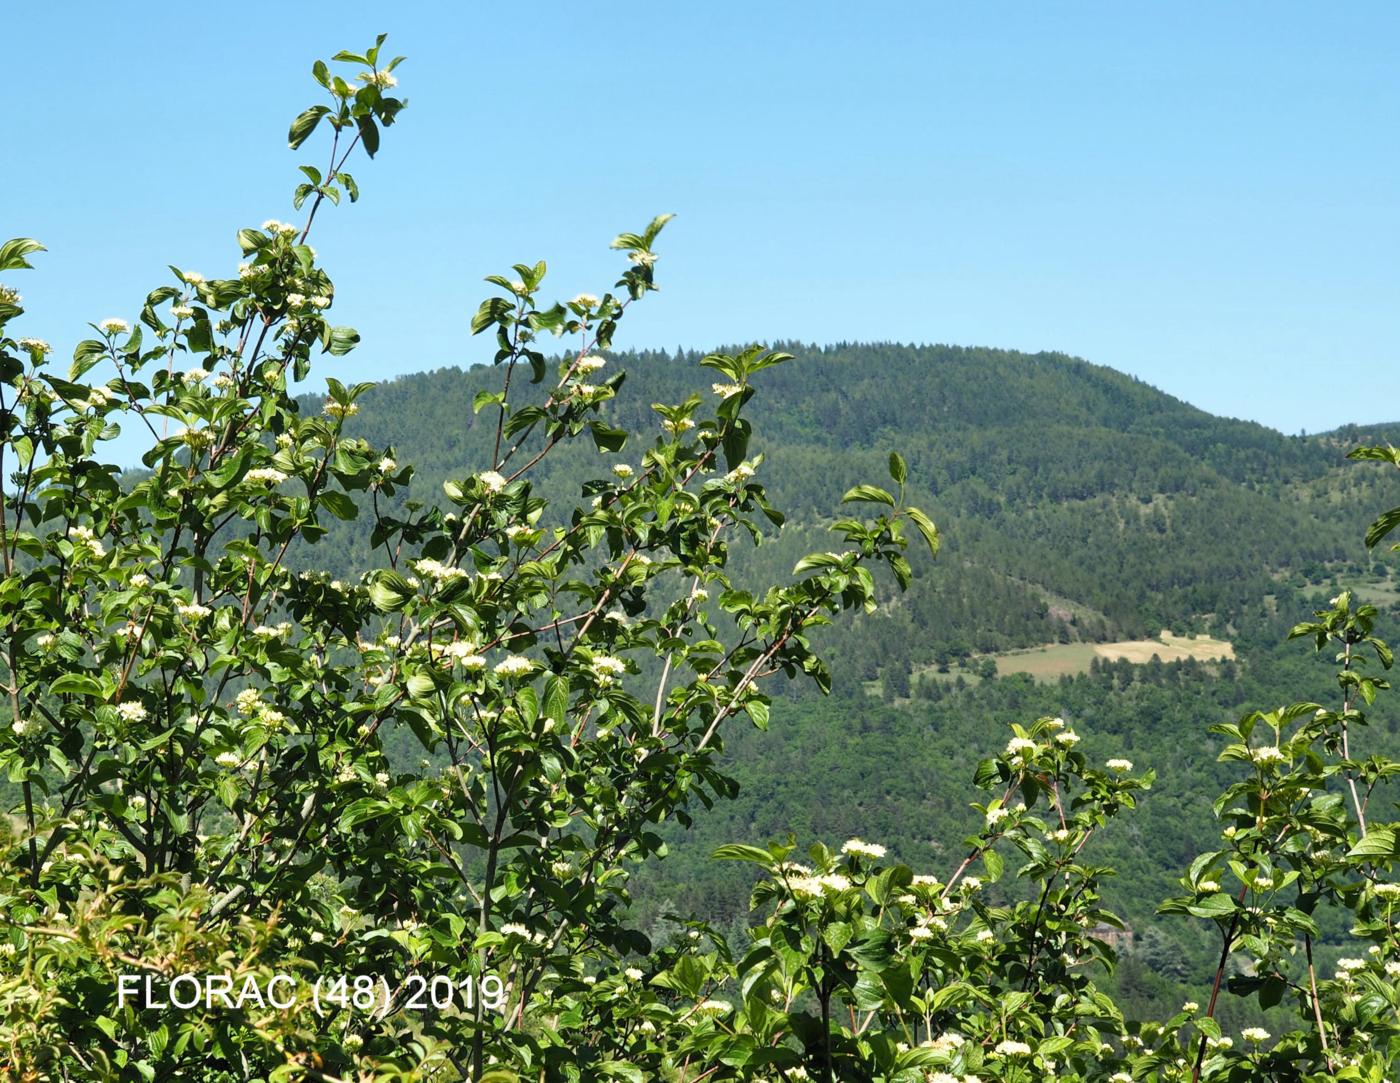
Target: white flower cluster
x: 1069, y: 738
x: 27, y: 727
x: 35, y: 345
x: 381, y: 79
x: 272, y: 225
x: 131, y: 711
x: 675, y: 428
x: 1267, y: 754
x: 515, y: 665
x: 228, y: 760
x: 861, y: 848
x: 622, y: 470
x: 340, y: 409
x: 1010, y: 1048
x: 742, y: 472
x: 815, y: 886
x: 193, y: 610
x: 465, y: 655
x: 437, y: 571
x: 1255, y: 1034
x: 83, y: 537
x: 387, y: 466
x: 493, y: 481
x: 1119, y: 765
x: 98, y: 397
x: 607, y: 668
x: 269, y: 474
x: 724, y: 391
x: 1021, y: 748
x: 114, y: 326
x: 585, y: 300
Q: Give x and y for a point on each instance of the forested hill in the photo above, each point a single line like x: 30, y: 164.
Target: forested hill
x: 1077, y: 503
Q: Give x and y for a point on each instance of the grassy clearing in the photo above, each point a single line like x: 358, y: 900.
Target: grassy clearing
x: 1057, y: 660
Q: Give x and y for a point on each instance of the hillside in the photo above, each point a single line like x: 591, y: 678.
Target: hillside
x: 1078, y: 505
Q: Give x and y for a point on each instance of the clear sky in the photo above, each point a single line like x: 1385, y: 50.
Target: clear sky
x: 1204, y: 195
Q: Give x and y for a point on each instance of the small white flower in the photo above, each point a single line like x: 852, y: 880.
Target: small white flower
x: 678, y: 427
x: 267, y: 474
x: 1009, y: 1048
x: 725, y: 390
x: 585, y: 300
x: 715, y: 1007
x: 113, y: 326
x: 633, y: 974
x: 319, y: 300
x: 1190, y: 1006
x: 1069, y: 738
x: 1255, y: 1034
x: 296, y: 300
x: 862, y: 849
x: 1021, y: 748
x: 1119, y: 765
x: 181, y: 312
x: 228, y: 759
x: 195, y: 376
x: 388, y: 466
x: 642, y: 259
x: 1267, y: 754
x: 984, y: 936
x: 493, y: 481
x: 193, y: 610
x: 1207, y: 887
x: 1058, y: 835
x: 35, y: 345
x: 341, y: 409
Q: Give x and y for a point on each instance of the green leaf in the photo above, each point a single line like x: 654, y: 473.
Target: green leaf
x: 1219, y: 905
x: 556, y: 699
x: 1379, y: 842
x: 994, y: 863
x: 369, y: 134
x: 926, y: 528
x: 738, y: 851
x: 13, y: 253
x: 898, y: 471
x: 1382, y: 526
x: 304, y: 125
x: 868, y: 494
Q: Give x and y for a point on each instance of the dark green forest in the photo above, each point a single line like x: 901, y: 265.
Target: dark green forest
x: 1078, y: 505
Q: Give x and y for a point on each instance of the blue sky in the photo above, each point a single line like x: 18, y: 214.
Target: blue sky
x: 1206, y: 196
